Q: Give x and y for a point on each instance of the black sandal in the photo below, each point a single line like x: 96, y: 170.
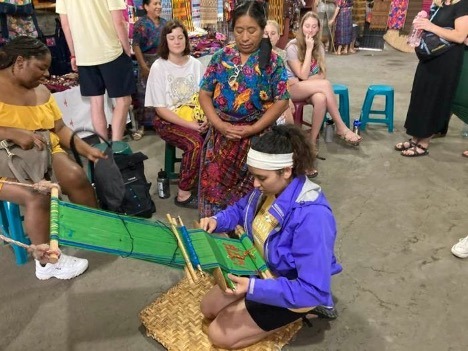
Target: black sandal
x: 402, y: 147
x: 191, y: 202
x: 415, y: 151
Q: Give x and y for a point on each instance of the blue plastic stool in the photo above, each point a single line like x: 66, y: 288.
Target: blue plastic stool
x: 12, y: 227
x: 170, y: 160
x: 343, y: 105
x: 373, y: 91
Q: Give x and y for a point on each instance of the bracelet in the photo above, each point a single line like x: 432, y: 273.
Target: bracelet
x: 72, y: 57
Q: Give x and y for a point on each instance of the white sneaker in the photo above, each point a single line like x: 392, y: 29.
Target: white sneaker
x: 67, y: 267
x: 460, y: 249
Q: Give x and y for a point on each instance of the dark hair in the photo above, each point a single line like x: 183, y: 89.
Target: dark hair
x: 257, y: 11
x: 287, y: 138
x: 23, y: 46
x: 163, y: 49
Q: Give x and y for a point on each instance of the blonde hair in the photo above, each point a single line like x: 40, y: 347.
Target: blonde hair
x: 440, y: 3
x: 317, y: 51
x: 274, y: 24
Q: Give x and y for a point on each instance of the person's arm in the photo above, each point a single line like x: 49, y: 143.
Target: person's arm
x: 456, y: 35
x: 144, y: 69
x: 311, y: 250
x: 120, y: 26
x: 64, y: 133
x: 171, y: 117
x: 332, y: 20
x: 300, y: 69
x: 69, y: 38
x: 25, y: 139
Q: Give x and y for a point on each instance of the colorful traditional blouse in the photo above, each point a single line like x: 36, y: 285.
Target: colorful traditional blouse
x: 147, y: 35
x: 241, y: 90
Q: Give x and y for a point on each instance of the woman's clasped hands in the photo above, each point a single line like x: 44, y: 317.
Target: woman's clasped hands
x: 236, y: 132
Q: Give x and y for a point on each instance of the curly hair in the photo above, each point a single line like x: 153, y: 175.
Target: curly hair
x: 24, y: 46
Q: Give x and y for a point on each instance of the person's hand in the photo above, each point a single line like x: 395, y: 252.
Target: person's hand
x: 208, y: 224
x: 240, y: 132
x: 74, y: 67
x: 27, y: 139
x: 144, y: 72
x: 330, y: 22
x: 198, y: 127
x: 309, y: 39
x: 241, y: 285
x: 95, y: 154
x: 423, y: 23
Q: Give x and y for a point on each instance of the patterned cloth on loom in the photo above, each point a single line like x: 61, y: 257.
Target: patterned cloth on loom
x: 182, y: 10
x: 397, y: 16
x: 414, y: 7
x: 166, y: 12
x: 209, y: 12
x: 380, y: 14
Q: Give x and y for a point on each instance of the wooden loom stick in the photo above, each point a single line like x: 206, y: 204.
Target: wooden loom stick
x: 190, y: 247
x: 266, y: 274
x: 189, y: 267
x: 54, y: 216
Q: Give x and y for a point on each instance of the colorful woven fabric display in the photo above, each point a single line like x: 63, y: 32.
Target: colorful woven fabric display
x: 182, y: 10
x: 166, y: 12
x: 208, y: 12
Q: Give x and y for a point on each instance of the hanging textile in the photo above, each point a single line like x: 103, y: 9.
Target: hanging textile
x: 397, y: 16
x: 209, y: 12
x: 196, y: 19
x: 182, y: 10
x: 380, y: 14
x: 276, y: 13
x: 166, y: 11
x: 414, y: 7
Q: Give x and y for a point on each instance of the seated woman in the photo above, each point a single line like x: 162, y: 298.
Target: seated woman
x: 305, y: 57
x: 291, y: 224
x: 172, y: 82
x: 25, y: 107
x: 146, y: 38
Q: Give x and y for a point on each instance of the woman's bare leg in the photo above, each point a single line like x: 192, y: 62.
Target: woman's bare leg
x: 73, y: 180
x: 36, y: 211
x: 319, y: 101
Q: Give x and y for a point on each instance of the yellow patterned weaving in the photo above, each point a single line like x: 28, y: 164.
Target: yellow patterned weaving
x: 263, y: 224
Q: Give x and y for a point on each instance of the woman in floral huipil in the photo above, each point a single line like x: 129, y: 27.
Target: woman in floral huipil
x: 242, y: 93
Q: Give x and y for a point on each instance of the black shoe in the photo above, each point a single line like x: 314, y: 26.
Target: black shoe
x: 324, y: 312
x: 191, y: 202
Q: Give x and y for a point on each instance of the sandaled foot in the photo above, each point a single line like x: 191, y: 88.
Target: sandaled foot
x: 350, y: 138
x: 312, y: 173
x: 352, y: 51
x: 415, y: 151
x: 405, y: 145
x: 138, y: 134
x: 191, y: 202
x: 465, y: 153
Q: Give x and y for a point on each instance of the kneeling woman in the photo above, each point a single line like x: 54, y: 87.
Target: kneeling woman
x: 172, y: 83
x: 291, y: 223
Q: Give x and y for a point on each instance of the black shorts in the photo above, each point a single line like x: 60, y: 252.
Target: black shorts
x: 270, y: 317
x: 116, y: 77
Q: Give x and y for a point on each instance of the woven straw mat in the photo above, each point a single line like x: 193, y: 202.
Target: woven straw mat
x: 175, y: 321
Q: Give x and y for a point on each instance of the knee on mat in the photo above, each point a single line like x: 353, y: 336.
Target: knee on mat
x: 219, y: 338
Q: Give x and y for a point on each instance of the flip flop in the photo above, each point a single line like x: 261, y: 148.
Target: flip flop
x: 415, y: 151
x: 348, y: 140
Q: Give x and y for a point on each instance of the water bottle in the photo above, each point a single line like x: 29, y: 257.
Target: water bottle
x: 329, y: 130
x: 356, y: 124
x: 164, y: 191
x: 464, y: 132
x: 414, y: 39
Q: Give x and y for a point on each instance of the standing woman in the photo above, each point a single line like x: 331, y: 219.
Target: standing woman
x: 146, y: 39
x: 291, y: 224
x: 344, y: 26
x: 243, y: 92
x: 305, y: 57
x: 172, y: 82
x: 436, y: 79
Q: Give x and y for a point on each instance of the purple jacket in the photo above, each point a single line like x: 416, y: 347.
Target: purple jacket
x: 299, y: 251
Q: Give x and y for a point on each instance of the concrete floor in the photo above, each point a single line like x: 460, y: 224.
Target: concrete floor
x: 401, y: 289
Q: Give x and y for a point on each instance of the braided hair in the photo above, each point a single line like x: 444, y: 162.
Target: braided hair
x: 23, y: 46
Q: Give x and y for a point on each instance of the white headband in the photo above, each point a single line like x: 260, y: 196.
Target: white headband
x: 269, y: 162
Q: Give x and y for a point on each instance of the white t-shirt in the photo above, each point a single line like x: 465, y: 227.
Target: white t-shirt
x: 94, y: 37
x: 170, y: 85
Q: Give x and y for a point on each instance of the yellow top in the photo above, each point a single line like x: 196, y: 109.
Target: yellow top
x: 263, y: 224
x: 33, y: 118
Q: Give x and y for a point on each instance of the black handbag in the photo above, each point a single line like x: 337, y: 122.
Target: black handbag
x: 432, y: 45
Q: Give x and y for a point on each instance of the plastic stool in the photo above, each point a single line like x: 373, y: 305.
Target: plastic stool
x: 373, y: 91
x: 12, y: 227
x: 343, y: 104
x: 169, y: 161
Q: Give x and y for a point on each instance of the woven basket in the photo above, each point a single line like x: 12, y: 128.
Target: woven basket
x: 175, y: 321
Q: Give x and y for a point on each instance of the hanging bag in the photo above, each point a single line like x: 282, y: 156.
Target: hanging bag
x: 26, y: 165
x: 432, y: 45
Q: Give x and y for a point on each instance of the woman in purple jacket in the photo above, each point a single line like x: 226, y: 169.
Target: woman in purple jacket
x: 290, y: 222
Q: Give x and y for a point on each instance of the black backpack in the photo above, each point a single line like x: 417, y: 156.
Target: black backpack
x: 120, y: 182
